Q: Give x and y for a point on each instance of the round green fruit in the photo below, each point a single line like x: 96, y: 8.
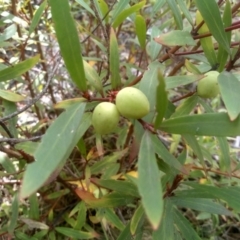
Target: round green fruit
x: 132, y: 103
x: 105, y: 117
x: 208, y: 86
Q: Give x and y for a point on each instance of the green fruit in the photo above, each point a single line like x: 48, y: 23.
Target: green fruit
x: 105, y: 117
x: 208, y: 86
x: 132, y: 103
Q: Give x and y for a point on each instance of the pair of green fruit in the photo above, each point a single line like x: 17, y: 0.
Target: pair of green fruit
x: 130, y: 103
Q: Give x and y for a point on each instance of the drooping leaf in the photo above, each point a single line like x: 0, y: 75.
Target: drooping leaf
x: 103, y: 9
x: 209, y: 124
x: 161, y: 100
x: 153, y: 48
x: 211, y: 15
x: 8, y: 32
x: 55, y: 147
x: 175, y: 37
x: 114, y: 61
x: 230, y: 88
x: 127, y: 12
x: 69, y: 42
x: 185, y: 11
x: 113, y: 219
x: 149, y: 185
x: 18, y: 69
x: 86, y: 6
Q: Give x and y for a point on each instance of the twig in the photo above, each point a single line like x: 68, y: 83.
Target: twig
x: 18, y: 140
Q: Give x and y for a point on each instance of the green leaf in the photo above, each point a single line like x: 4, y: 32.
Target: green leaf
x: 14, y: 216
x: 193, y: 143
x: 8, y: 32
x: 211, y: 15
x: 114, y: 61
x: 206, y: 42
x: 149, y: 185
x: 227, y: 21
x: 175, y: 37
x: 125, y: 234
x: 127, y: 12
x: 136, y: 219
x: 161, y: 100
x: 11, y: 96
x: 37, y: 17
x: 86, y: 6
x: 153, y: 48
x: 92, y: 77
x: 119, y: 186
x: 141, y: 29
x: 55, y: 147
x: 207, y: 191
x: 185, y: 107
x: 201, y: 204
x: 230, y: 88
x: 18, y: 69
x: 103, y: 7
x: 225, y: 159
x: 69, y: 42
x: 113, y: 219
x: 81, y: 215
x: 185, y: 11
x: 33, y: 207
x: 163, y: 152
x: 166, y: 228
x: 118, y: 8
x: 148, y: 86
x: 209, y: 124
x: 184, y: 226
x: 176, y: 13
x: 176, y: 81
x: 72, y: 233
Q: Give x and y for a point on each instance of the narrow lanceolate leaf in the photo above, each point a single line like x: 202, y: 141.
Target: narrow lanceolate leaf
x: 11, y: 96
x: 166, y: 228
x: 76, y: 234
x: 55, y: 147
x: 184, y: 226
x: 14, y: 216
x: 136, y: 218
x: 37, y: 16
x: 211, y: 15
x: 177, y: 37
x: 92, y: 77
x: 114, y: 61
x: 127, y: 12
x: 69, y: 42
x: 209, y: 124
x: 141, y: 30
x: 176, y: 13
x: 227, y: 21
x: 206, y: 42
x: 161, y: 100
x: 230, y: 88
x: 149, y: 184
x: 18, y: 69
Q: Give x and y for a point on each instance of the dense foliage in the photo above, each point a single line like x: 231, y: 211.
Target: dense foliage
x: 174, y: 173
